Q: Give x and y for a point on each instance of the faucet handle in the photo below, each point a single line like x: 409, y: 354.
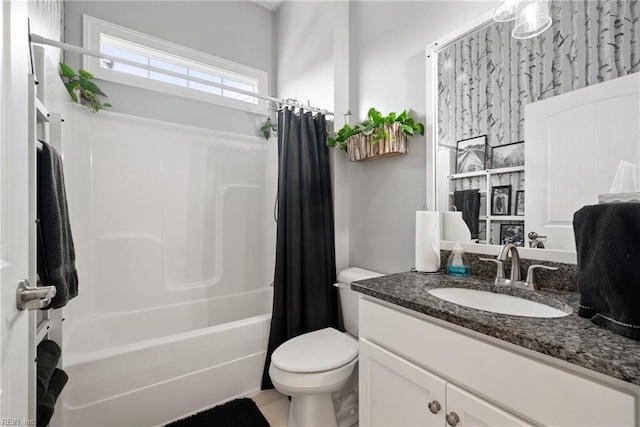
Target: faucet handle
x: 531, y: 277
x: 499, y: 264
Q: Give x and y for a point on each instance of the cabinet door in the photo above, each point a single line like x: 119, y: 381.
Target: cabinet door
x: 466, y: 410
x: 395, y: 392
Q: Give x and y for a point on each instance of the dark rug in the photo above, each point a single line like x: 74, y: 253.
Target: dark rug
x: 236, y: 413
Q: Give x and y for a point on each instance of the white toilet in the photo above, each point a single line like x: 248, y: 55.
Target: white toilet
x: 313, y: 366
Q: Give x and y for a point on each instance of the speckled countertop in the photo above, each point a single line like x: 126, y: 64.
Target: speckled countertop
x: 571, y: 338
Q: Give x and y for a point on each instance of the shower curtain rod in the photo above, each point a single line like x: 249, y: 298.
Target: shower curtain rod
x: 38, y: 39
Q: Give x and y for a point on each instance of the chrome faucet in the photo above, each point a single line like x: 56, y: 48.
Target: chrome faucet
x: 515, y: 260
x: 514, y: 277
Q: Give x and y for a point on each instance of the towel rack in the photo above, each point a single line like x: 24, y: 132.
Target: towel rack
x: 44, y: 125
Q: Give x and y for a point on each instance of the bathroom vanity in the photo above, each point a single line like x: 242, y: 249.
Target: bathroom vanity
x: 426, y: 361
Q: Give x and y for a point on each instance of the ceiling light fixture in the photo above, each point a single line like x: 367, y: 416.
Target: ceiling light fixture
x: 532, y: 16
x: 508, y: 10
x: 532, y: 20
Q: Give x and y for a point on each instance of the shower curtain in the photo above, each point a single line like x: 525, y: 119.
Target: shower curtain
x: 304, y: 296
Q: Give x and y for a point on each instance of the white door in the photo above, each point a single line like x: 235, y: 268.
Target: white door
x: 574, y: 143
x: 466, y: 410
x: 14, y: 214
x: 395, y: 392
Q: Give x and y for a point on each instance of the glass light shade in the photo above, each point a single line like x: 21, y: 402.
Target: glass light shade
x: 533, y: 20
x: 508, y: 10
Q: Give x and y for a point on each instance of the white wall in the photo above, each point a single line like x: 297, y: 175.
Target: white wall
x: 240, y: 31
x: 387, y: 55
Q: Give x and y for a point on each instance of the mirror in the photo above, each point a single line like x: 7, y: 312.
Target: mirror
x: 528, y: 131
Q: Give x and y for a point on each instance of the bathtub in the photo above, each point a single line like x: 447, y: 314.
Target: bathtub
x: 149, y: 367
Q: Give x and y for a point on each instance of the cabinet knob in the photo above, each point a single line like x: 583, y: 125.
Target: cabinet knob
x: 434, y: 407
x: 453, y: 419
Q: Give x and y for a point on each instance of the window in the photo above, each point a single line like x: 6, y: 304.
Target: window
x: 171, y: 68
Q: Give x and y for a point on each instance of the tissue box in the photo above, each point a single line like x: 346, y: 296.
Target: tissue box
x: 619, y: 197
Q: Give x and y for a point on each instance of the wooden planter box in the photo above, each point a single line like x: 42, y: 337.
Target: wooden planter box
x: 360, y: 149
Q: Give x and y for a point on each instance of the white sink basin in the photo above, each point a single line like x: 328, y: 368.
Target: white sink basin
x: 496, y: 303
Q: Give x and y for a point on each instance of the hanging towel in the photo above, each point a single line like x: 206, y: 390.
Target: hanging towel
x: 48, y: 355
x: 47, y: 404
x: 608, y: 250
x: 56, y: 253
x: 468, y: 202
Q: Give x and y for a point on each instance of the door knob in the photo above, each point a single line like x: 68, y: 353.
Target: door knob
x: 453, y: 419
x: 434, y: 407
x: 33, y: 298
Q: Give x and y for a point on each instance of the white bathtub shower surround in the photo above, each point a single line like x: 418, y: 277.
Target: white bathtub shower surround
x: 167, y: 213
x: 175, y: 243
x: 149, y: 367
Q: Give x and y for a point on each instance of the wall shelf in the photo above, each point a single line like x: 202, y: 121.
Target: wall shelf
x: 484, y: 184
x: 506, y: 217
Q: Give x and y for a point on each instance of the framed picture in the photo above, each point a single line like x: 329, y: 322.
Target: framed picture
x: 512, y: 233
x: 504, y: 156
x: 501, y: 200
x: 471, y: 154
x: 520, y: 202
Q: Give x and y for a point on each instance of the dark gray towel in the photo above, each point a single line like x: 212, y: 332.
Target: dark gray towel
x: 47, y: 405
x: 48, y: 355
x: 56, y: 253
x: 468, y: 202
x: 608, y: 249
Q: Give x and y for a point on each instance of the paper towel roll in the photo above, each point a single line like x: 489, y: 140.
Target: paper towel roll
x: 454, y: 229
x: 427, y: 241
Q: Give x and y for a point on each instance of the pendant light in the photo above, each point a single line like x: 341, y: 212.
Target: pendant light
x: 532, y: 20
x: 508, y: 10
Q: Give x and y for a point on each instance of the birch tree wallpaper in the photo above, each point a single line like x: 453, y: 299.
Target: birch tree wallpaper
x: 487, y: 77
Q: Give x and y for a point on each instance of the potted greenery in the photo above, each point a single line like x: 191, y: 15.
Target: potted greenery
x: 82, y: 89
x: 377, y: 136
x: 267, y: 127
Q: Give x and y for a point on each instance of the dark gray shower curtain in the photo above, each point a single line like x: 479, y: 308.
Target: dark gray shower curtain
x: 304, y: 298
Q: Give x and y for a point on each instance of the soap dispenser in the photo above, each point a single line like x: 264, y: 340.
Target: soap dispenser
x: 457, y: 264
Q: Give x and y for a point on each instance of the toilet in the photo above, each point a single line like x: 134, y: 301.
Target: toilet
x: 312, y: 367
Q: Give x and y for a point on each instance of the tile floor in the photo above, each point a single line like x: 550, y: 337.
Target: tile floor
x: 274, y: 406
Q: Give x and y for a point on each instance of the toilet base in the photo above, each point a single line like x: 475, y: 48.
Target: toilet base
x: 312, y: 410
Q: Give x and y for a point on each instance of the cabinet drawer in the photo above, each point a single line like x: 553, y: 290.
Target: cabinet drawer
x: 545, y: 394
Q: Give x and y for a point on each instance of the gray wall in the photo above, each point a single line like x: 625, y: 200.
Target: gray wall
x: 387, y: 51
x: 240, y: 31
x: 358, y: 55
x: 305, y: 52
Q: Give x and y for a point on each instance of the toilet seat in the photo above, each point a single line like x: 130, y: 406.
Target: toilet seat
x: 318, y: 351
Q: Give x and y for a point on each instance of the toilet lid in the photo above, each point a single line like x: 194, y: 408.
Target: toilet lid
x: 316, y: 351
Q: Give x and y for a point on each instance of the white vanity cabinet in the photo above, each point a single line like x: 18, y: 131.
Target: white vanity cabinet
x: 408, y: 361
x: 396, y: 392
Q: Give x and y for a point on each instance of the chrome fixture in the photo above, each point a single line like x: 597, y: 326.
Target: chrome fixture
x: 515, y: 260
x: 514, y: 277
x: 530, y: 281
x: 33, y: 298
x: 536, y: 241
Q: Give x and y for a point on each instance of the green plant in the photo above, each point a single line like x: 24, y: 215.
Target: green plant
x: 374, y: 126
x: 267, y: 127
x: 80, y: 85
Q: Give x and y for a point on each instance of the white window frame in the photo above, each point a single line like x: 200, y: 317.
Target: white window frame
x: 94, y: 27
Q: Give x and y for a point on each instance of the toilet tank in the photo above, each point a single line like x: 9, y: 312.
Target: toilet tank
x: 349, y: 298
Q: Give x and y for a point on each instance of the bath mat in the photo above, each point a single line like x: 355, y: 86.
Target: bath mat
x: 236, y: 413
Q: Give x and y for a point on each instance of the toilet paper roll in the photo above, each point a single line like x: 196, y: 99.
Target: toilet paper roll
x: 454, y: 229
x: 427, y: 241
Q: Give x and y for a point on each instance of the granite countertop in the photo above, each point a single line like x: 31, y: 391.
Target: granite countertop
x: 571, y: 338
